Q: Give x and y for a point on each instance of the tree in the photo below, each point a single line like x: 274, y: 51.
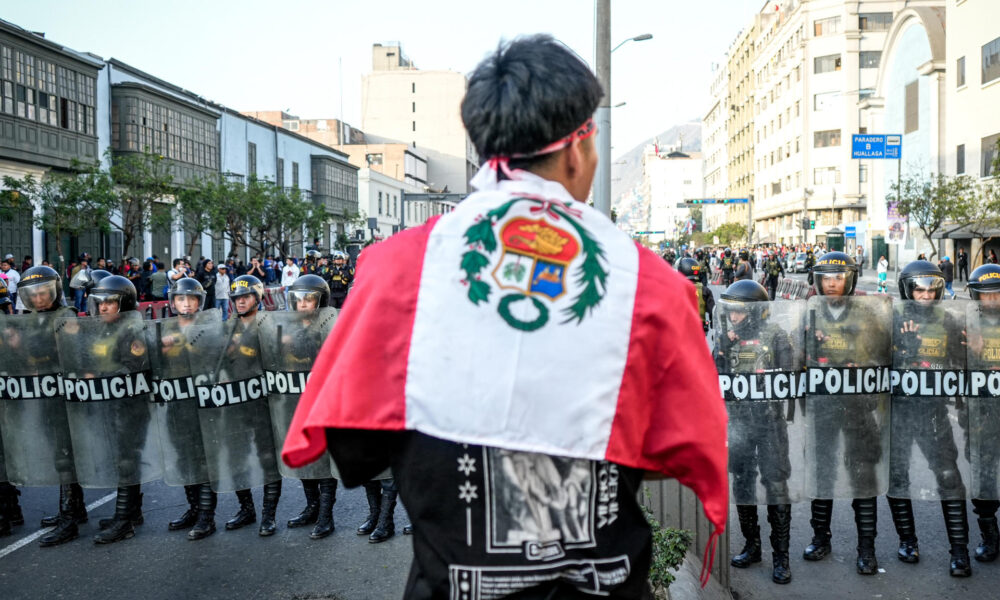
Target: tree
x: 729, y: 233
x: 930, y: 201
x: 140, y: 180
x: 195, y: 208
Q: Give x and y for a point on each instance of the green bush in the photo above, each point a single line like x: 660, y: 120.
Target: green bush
x: 669, y: 547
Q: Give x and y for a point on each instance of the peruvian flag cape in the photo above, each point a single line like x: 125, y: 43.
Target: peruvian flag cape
x: 527, y: 321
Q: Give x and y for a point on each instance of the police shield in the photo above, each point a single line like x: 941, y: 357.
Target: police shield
x: 848, y: 360
x: 38, y: 449
x: 761, y: 363
x: 928, y: 381
x: 290, y: 342
x: 107, y: 382
x: 175, y: 344
x: 982, y: 423
x: 232, y: 408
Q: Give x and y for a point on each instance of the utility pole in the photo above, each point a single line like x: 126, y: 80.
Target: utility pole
x: 602, y: 62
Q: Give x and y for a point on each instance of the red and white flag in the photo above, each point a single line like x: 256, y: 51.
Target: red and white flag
x: 527, y: 321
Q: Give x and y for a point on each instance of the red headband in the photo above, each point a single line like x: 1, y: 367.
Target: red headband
x: 501, y: 163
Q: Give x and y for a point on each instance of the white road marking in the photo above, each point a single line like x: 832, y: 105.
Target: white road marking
x: 34, y: 536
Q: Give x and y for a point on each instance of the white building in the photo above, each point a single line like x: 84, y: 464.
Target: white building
x: 714, y: 142
x: 669, y: 178
x: 815, y: 62
x: 400, y: 103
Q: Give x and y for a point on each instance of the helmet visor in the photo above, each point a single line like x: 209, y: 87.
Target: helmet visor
x: 40, y: 296
x: 303, y: 300
x: 103, y: 303
x: 924, y: 284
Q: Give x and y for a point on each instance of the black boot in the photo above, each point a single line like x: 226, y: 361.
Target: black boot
x: 779, y: 516
x: 78, y: 510
x: 186, y: 520
x: 751, y: 533
x: 136, y: 516
x: 205, y: 525
x: 310, y: 513
x: 327, y: 498
x: 246, y: 515
x: 126, y: 505
x: 956, y: 520
x: 386, y: 527
x: 70, y: 498
x: 822, y: 514
x: 902, y: 518
x: 272, y: 491
x: 10, y: 508
x: 866, y: 518
x: 988, y: 550
x: 373, y: 491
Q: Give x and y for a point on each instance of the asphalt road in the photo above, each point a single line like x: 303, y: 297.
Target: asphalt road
x: 159, y: 564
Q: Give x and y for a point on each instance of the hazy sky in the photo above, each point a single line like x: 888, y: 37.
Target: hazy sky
x: 257, y: 55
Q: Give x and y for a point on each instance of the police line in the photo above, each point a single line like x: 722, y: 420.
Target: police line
x: 120, y: 387
x: 849, y: 381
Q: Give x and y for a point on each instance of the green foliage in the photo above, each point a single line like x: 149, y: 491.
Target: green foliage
x: 669, y: 547
x: 929, y: 201
x: 140, y: 180
x: 729, y: 233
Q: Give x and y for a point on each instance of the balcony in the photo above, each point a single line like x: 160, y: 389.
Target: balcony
x: 337, y: 207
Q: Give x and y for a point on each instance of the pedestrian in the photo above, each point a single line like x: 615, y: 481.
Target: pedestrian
x: 180, y: 270
x: 883, y: 273
x: 27, y: 263
x: 206, y: 274
x: 948, y: 268
x: 963, y: 265
x: 12, y: 276
x: 159, y: 284
x: 222, y: 290
x: 480, y: 449
x: 859, y: 257
x: 993, y: 257
x: 289, y: 273
x: 256, y: 269
x: 78, y: 281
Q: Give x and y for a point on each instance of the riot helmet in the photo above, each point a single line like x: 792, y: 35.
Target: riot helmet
x: 40, y: 289
x: 309, y: 292
x: 744, y: 254
x: 728, y: 252
x: 244, y: 286
x: 313, y: 255
x: 745, y: 304
x: 699, y: 254
x: 180, y: 293
x: 836, y: 266
x: 689, y: 268
x: 921, y: 274
x: 115, y: 292
x: 984, y: 280
x: 96, y: 276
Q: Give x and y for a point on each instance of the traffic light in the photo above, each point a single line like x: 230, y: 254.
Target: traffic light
x: 805, y: 222
x: 812, y: 223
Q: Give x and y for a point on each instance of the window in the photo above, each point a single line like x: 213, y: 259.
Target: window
x: 991, y: 61
x: 775, y: 187
x: 862, y: 173
x: 960, y: 71
x: 797, y: 111
x: 827, y: 101
x: 989, y: 151
x: 380, y: 204
x: 295, y: 174
x: 374, y: 159
x: 280, y: 180
x: 413, y: 87
x: 414, y: 125
x: 826, y: 175
x: 911, y: 117
x: 798, y: 73
x: 826, y: 64
x: 875, y: 21
x: 865, y: 94
x: 960, y: 159
x: 870, y: 59
x: 251, y: 158
x: 414, y: 106
x: 826, y: 26
x: 826, y: 139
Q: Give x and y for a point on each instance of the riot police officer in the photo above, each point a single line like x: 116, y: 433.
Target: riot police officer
x: 306, y: 296
x: 758, y: 437
x: 984, y: 354
x: 728, y: 265
x: 774, y: 270
x: 691, y: 269
x: 834, y: 335
x: 810, y: 262
x: 744, y: 270
x: 926, y: 337
x: 341, y: 278
x: 110, y: 296
x: 40, y: 290
x: 186, y: 299
x: 245, y: 293
x: 706, y: 266
x: 311, y: 262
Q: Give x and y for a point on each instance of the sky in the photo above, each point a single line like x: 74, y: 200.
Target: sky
x: 308, y: 56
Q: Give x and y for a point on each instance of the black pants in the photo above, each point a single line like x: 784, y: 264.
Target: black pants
x: 758, y: 443
x: 862, y: 444
x: 926, y: 423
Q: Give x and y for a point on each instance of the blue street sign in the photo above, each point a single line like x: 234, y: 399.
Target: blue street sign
x: 850, y: 231
x: 699, y: 201
x: 876, y: 146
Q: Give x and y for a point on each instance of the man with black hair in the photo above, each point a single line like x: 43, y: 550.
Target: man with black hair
x: 520, y: 474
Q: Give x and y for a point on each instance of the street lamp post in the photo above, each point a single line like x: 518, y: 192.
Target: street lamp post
x: 602, y: 62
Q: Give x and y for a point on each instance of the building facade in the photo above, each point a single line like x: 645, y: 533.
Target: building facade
x: 669, y: 178
x: 401, y: 103
x: 739, y: 124
x: 714, y: 145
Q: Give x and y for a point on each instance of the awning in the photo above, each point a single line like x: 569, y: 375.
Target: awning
x: 965, y: 232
